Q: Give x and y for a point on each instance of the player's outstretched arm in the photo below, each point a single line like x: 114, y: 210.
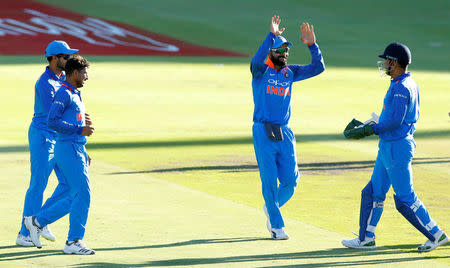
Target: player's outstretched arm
x: 307, y: 34
x: 257, y: 66
x: 317, y: 64
x: 275, y: 26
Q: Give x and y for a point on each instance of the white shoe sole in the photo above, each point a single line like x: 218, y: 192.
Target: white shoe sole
x: 75, y: 253
x: 49, y: 237
x: 24, y: 243
x: 435, y: 246
x: 357, y: 247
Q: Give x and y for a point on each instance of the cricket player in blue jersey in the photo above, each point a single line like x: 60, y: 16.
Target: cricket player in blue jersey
x: 42, y: 139
x: 67, y: 118
x: 273, y: 139
x: 395, y: 128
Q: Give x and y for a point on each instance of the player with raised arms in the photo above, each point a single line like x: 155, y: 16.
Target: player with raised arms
x: 273, y: 139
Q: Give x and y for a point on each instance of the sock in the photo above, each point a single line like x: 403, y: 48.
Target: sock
x: 370, y: 234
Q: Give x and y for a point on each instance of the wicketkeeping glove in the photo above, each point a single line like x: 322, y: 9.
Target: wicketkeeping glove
x: 354, y: 123
x: 359, y: 132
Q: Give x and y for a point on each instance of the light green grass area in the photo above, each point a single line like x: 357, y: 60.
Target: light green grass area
x: 193, y: 128
x: 174, y: 177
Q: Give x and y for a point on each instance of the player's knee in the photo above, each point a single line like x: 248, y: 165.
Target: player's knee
x: 409, y: 200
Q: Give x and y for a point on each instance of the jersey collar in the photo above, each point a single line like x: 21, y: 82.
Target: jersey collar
x: 69, y: 87
x: 271, y: 65
x: 398, y: 78
x: 52, y: 74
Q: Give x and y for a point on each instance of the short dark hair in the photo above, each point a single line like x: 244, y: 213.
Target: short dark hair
x: 76, y: 62
x: 402, y: 64
x: 49, y: 59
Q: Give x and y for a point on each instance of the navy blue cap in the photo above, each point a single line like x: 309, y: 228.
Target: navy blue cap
x: 279, y: 41
x: 59, y: 47
x: 397, y: 52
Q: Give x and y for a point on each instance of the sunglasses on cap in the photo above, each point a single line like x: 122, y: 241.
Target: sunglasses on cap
x: 281, y: 50
x: 65, y: 56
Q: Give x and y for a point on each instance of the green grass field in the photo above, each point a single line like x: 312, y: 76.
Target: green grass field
x: 174, y: 177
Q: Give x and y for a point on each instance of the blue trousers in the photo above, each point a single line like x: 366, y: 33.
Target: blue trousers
x: 393, y: 167
x: 42, y: 161
x: 277, y: 160
x: 72, y: 159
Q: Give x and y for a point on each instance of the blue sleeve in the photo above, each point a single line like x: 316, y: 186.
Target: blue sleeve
x: 316, y: 66
x: 396, y: 113
x: 257, y: 66
x: 45, y: 93
x: 55, y: 121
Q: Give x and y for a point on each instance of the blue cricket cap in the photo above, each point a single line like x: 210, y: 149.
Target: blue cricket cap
x: 279, y: 41
x: 59, y: 47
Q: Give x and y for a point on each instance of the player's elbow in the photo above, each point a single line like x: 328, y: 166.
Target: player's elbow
x: 321, y: 66
x: 52, y: 123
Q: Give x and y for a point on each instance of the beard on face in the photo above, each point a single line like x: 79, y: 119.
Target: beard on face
x: 80, y: 83
x: 278, y: 60
x: 60, y: 64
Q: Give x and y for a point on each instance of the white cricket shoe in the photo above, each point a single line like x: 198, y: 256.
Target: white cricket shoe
x: 34, y: 231
x: 47, y: 233
x: 78, y: 248
x: 279, y: 234
x: 369, y: 243
x: 24, y: 241
x: 268, y: 225
x: 441, y: 239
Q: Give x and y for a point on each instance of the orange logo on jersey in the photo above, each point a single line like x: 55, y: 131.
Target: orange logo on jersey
x: 79, y: 117
x: 281, y: 91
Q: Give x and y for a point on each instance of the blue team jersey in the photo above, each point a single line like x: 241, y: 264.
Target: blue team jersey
x: 67, y: 114
x: 272, y: 89
x: 44, y: 93
x: 400, y: 109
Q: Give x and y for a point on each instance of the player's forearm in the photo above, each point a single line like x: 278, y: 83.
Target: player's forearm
x: 394, y: 121
x: 64, y: 127
x: 264, y: 49
x: 317, y: 62
x: 56, y: 122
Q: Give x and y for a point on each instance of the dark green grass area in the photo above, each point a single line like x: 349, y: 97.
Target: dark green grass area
x: 350, y: 33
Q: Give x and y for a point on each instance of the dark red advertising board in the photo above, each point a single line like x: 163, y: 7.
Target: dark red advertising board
x: 26, y: 27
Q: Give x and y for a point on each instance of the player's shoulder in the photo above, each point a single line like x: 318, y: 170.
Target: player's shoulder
x: 402, y: 89
x: 405, y: 84
x: 47, y: 81
x: 63, y: 92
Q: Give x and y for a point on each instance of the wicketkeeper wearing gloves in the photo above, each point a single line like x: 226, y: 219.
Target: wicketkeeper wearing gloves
x: 273, y: 140
x: 396, y: 149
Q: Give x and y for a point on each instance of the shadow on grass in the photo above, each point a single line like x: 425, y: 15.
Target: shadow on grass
x: 37, y: 253
x: 338, y: 255
x: 219, y: 141
x: 322, y: 166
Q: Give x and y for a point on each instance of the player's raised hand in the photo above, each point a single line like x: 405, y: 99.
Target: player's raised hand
x: 307, y: 34
x: 275, y: 26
